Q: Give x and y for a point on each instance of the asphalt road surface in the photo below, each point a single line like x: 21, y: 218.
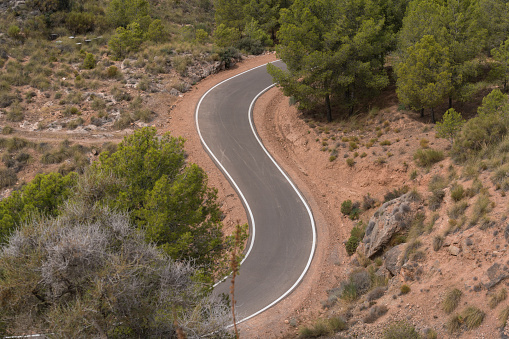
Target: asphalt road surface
x: 282, y: 232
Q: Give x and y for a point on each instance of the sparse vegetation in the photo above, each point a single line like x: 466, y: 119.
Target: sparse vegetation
x: 497, y: 297
x: 401, y: 329
x: 428, y: 157
x: 323, y: 327
x: 451, y: 300
x: 473, y: 317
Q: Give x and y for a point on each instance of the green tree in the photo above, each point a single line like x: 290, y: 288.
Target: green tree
x: 166, y: 198
x: 126, y: 40
x: 424, y: 76
x: 493, y: 17
x: 450, y: 125
x: 230, y: 13
x: 156, y: 31
x: 89, y: 273
x: 122, y: 13
x: 225, y: 36
x: 330, y: 47
x: 501, y: 54
x: 455, y: 24
x: 183, y: 218
x: 266, y: 13
x: 43, y: 195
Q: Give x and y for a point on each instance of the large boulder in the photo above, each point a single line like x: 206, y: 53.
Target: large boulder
x: 390, y: 219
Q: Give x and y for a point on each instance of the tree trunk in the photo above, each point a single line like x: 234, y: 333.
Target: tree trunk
x: 329, y: 111
x: 433, y: 115
x: 422, y: 112
x: 450, y: 102
x: 352, y: 96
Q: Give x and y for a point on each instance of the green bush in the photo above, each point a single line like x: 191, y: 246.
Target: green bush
x: 428, y: 157
x: 405, y: 289
x: 351, y: 245
x: 485, y: 130
x: 226, y: 36
x: 89, y: 62
x: 44, y: 194
x: 346, y: 207
x: 457, y: 192
x: 450, y: 125
x: 126, y: 40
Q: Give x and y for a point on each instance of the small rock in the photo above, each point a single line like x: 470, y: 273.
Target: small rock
x: 453, y: 250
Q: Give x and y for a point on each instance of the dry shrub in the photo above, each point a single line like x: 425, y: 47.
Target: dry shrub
x: 451, y: 300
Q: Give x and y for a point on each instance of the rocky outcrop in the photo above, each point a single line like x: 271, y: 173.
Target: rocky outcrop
x: 496, y: 273
x: 392, y: 259
x: 390, y: 219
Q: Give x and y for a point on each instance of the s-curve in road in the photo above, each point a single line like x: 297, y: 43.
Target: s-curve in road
x: 282, y: 231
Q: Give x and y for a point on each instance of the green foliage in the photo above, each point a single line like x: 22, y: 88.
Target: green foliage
x: 501, y: 54
x: 450, y: 125
x: 44, y: 195
x: 226, y: 36
x: 89, y: 62
x: 424, y: 75
x: 485, y: 130
x: 201, y: 36
x: 122, y: 13
x: 346, y: 207
x: 344, y: 52
x: 401, y: 329
x: 156, y: 31
x: 126, y: 40
x: 15, y: 32
x: 428, y: 157
x: 351, y: 244
x: 457, y: 25
x: 168, y: 199
x: 451, y: 300
x: 81, y: 22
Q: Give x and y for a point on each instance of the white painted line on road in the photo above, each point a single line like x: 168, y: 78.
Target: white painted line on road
x: 253, y: 232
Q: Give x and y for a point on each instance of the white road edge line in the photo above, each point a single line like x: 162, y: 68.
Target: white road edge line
x: 313, y: 226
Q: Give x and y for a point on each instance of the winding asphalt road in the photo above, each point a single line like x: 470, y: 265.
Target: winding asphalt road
x: 282, y: 231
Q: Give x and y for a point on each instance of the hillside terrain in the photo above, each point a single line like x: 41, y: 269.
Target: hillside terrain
x: 427, y: 248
